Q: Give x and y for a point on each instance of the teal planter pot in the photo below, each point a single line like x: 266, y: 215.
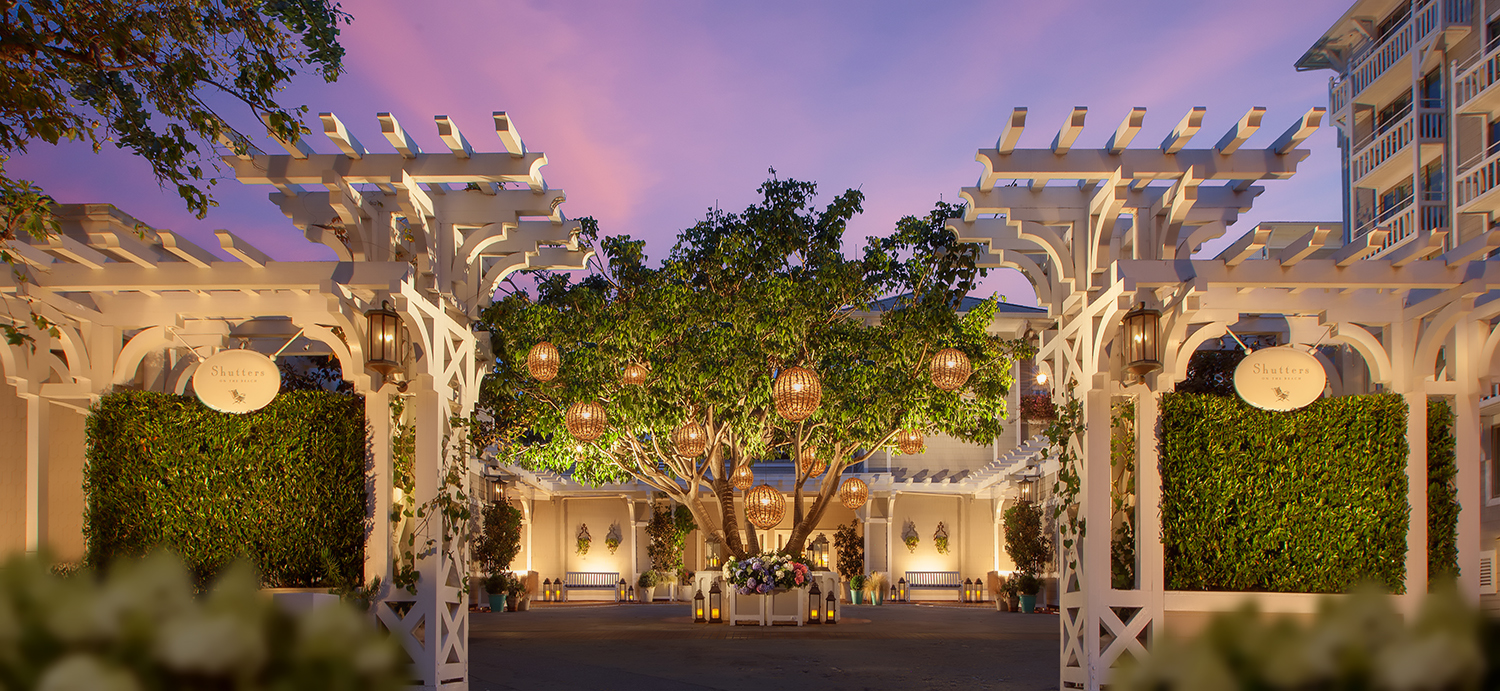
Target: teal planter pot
x: 497, y: 602
x: 1028, y: 603
x: 856, y: 597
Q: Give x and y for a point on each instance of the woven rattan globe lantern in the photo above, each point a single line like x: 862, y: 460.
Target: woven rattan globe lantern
x: 910, y: 441
x: 690, y: 439
x: 742, y: 477
x: 634, y: 375
x: 764, y: 506
x: 797, y: 392
x: 950, y: 369
x: 585, y: 420
x: 853, y: 493
x: 811, y: 465
x: 542, y: 362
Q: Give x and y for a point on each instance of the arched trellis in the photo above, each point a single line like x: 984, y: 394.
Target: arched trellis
x: 1131, y: 217
x: 409, y: 227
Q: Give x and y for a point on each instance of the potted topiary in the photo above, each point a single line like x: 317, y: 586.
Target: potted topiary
x: 645, y: 586
x: 497, y: 586
x: 1028, y: 585
x: 856, y: 588
x: 517, y: 592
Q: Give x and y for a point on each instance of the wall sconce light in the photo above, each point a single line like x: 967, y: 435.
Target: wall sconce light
x: 1141, y: 329
x: 386, y: 341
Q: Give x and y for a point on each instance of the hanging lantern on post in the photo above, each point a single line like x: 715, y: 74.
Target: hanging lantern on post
x: 950, y: 369
x: 811, y: 465
x: 698, y: 617
x: 814, y: 603
x: 585, y: 420
x: 542, y: 362
x: 853, y: 493
x: 797, y: 392
x: 1141, y: 328
x: 764, y: 506
x: 715, y: 604
x: 910, y: 441
x: 742, y: 478
x: 690, y: 439
x: 387, y: 342
x: 635, y: 375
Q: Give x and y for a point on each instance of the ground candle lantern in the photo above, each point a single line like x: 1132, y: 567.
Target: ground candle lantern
x: 547, y: 590
x: 830, y: 607
x: 1140, y: 328
x: 901, y: 589
x: 620, y: 591
x: 814, y: 603
x: 968, y: 590
x: 698, y: 617
x: 715, y: 604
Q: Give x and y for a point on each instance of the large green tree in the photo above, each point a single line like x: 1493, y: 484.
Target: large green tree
x: 150, y: 76
x: 741, y: 297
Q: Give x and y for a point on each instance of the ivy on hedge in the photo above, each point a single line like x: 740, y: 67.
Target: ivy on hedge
x: 283, y: 486
x: 1312, y: 500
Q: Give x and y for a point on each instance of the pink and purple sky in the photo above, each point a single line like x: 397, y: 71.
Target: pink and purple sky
x: 651, y: 113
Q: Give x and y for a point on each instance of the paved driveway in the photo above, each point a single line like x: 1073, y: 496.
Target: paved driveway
x: 657, y: 647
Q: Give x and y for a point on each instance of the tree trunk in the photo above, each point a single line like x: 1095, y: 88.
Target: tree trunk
x: 725, y: 493
x: 752, y: 541
x: 804, y: 527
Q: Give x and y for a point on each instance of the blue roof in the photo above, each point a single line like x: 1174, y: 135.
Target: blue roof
x: 969, y: 303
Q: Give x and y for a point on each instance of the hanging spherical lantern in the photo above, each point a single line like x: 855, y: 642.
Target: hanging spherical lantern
x: 853, y: 493
x: 764, y: 506
x: 950, y: 369
x: 585, y: 420
x: 690, y: 439
x: 635, y: 375
x: 811, y: 465
x: 742, y: 478
x: 910, y: 441
x: 542, y: 362
x: 797, y: 392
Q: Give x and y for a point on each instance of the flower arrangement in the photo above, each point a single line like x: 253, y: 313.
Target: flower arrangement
x: 612, y: 542
x: 764, y: 572
x: 940, y: 538
x: 584, y: 539
x: 911, y: 542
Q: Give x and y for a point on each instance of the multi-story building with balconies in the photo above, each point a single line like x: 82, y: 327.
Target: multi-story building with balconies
x: 1394, y: 108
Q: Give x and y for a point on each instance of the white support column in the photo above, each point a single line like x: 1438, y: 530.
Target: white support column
x: 1095, y: 511
x: 37, y: 449
x: 1468, y: 442
x: 1416, y: 487
x: 1149, y: 550
x: 378, y: 546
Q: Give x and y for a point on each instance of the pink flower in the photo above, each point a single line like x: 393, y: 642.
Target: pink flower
x: 799, y: 578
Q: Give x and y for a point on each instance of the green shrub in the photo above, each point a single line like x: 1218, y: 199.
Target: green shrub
x: 143, y: 628
x: 278, y: 486
x: 1024, y: 542
x: 1312, y: 500
x: 849, y: 549
x: 500, y: 542
x: 1442, y: 494
x: 648, y: 579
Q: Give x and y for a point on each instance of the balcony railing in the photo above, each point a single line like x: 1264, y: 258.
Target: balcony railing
x: 1478, y: 180
x: 1472, y: 79
x: 1400, y: 220
x: 1381, y: 147
x: 1368, y: 62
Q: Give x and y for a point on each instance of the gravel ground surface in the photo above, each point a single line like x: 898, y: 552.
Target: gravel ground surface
x: 657, y: 647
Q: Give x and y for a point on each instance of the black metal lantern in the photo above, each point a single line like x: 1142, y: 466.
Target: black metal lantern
x: 968, y: 590
x: 546, y: 590
x: 892, y: 596
x: 386, y: 340
x: 820, y: 553
x: 1028, y: 488
x: 901, y: 589
x: 698, y: 615
x: 1141, y: 329
x: 620, y: 591
x: 631, y: 592
x: 814, y: 603
x: 830, y: 609
x: 715, y: 604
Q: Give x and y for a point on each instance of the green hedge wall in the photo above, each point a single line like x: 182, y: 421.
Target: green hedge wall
x: 1442, y: 493
x: 1312, y: 500
x: 280, y: 485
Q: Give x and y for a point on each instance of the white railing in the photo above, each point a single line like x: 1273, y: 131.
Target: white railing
x: 1472, y: 79
x: 1381, y: 148
x: 1401, y: 221
x: 1371, y: 60
x: 1432, y: 123
x: 1478, y: 180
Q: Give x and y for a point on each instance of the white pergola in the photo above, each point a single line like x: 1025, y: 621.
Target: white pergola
x: 433, y: 234
x: 1110, y: 239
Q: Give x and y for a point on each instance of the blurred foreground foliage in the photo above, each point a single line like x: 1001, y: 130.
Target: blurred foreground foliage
x: 1354, y: 643
x: 141, y: 628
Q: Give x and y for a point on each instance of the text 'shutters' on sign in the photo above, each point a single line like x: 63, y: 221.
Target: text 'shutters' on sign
x: 1284, y: 378
x: 237, y: 381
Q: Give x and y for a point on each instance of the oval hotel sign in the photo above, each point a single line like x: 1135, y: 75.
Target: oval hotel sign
x: 1284, y: 378
x: 237, y: 381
